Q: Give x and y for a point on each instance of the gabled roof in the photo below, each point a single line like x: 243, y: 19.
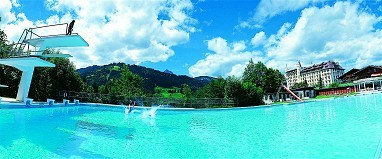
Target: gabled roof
x: 378, y: 67
x: 354, y: 71
x: 291, y: 70
x: 323, y: 65
x: 351, y: 72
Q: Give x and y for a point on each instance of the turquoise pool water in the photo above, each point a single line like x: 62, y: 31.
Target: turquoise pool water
x: 348, y: 127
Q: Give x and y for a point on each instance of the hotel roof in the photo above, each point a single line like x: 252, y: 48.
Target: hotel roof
x: 321, y: 66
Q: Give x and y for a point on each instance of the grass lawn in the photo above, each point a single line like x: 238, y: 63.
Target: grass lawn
x: 172, y: 95
x: 173, y: 92
x: 332, y: 96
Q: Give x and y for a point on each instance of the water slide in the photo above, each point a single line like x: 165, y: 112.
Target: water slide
x: 294, y: 95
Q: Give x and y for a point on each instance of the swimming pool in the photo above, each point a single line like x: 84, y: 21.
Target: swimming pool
x: 349, y: 127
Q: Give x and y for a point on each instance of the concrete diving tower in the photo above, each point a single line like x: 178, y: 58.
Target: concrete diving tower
x: 28, y: 54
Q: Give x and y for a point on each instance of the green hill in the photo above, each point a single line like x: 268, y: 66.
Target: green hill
x: 100, y: 75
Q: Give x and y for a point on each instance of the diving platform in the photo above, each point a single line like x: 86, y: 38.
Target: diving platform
x: 57, y: 41
x: 26, y: 65
x: 25, y: 62
x: 28, y: 52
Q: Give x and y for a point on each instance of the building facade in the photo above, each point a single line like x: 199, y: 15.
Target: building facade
x: 327, y: 71
x: 356, y: 74
x: 368, y: 78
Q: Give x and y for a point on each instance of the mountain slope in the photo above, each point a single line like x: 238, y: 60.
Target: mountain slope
x: 152, y: 78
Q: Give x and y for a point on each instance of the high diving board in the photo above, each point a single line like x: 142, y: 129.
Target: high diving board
x: 22, y: 63
x: 53, y: 55
x: 57, y: 41
x: 26, y: 62
x: 26, y: 65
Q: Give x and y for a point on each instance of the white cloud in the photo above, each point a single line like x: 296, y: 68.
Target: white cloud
x: 5, y: 12
x: 14, y: 3
x: 267, y: 9
x: 117, y: 31
x: 258, y: 39
x: 227, y: 59
x: 342, y: 32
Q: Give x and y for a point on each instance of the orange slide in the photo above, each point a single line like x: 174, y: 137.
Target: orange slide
x: 289, y: 91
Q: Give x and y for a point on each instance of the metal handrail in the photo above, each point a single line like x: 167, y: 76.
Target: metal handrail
x: 193, y: 102
x: 18, y: 48
x: 50, y: 26
x: 34, y: 34
x: 46, y: 36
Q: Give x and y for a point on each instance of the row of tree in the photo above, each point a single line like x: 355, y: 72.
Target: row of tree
x: 249, y: 89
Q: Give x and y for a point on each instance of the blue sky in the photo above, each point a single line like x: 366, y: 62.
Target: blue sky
x: 210, y: 37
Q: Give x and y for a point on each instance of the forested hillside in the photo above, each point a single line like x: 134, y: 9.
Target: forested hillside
x: 100, y: 75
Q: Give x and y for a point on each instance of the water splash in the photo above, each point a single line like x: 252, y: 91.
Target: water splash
x: 148, y: 116
x: 150, y: 113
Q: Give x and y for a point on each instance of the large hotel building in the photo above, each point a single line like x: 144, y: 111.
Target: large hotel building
x: 328, y: 71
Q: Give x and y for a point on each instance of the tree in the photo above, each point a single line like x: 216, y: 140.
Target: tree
x: 186, y: 90
x: 252, y: 95
x: 233, y: 88
x: 102, y: 89
x: 334, y: 85
x: 246, y: 93
x: 9, y: 76
x: 128, y: 85
x: 255, y: 73
x: 47, y: 82
x: 216, y: 87
x: 5, y: 48
x: 260, y: 73
x: 272, y: 80
x: 302, y: 84
x: 249, y: 74
x: 204, y: 92
x: 320, y: 83
x: 268, y: 79
x: 305, y: 83
x: 95, y: 87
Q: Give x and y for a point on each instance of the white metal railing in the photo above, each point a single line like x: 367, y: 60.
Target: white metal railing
x: 22, y: 47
